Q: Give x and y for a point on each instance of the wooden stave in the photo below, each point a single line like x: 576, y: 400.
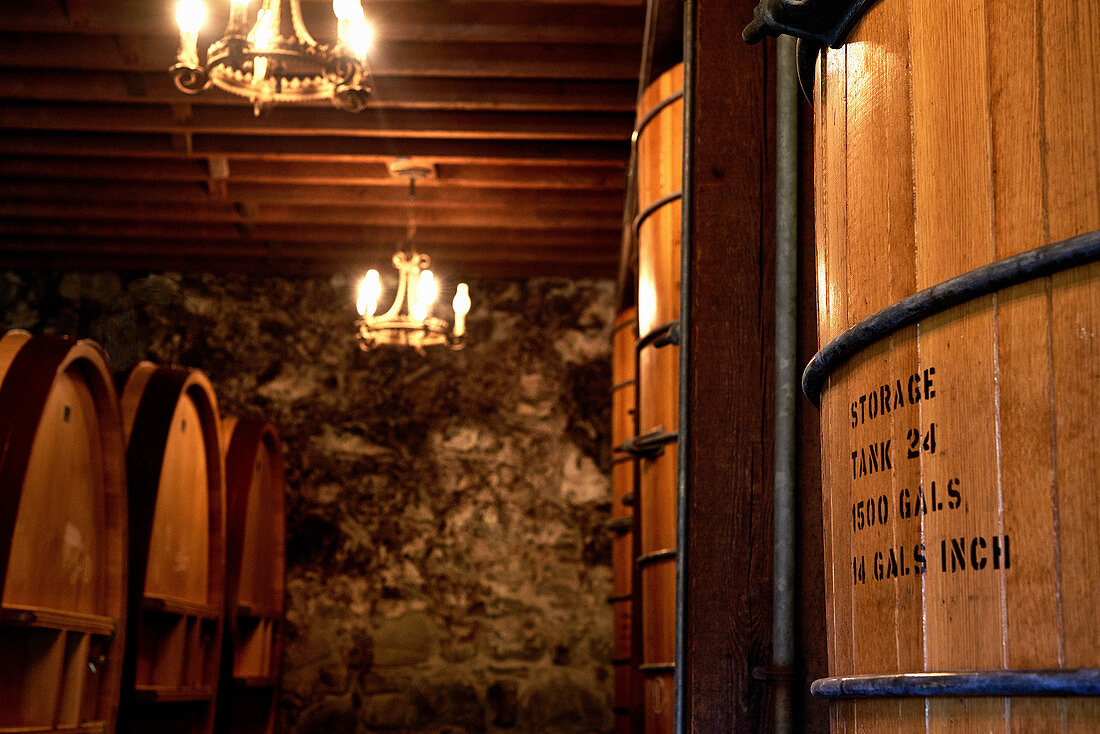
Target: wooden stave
x: 245, y: 439
x: 149, y: 399
x: 31, y: 367
x: 623, y: 401
x: 1029, y: 325
x: 660, y: 171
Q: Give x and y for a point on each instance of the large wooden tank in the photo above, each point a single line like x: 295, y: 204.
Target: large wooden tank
x: 255, y: 577
x: 62, y: 537
x: 659, y: 139
x: 624, y: 334
x: 177, y: 551
x: 961, y: 448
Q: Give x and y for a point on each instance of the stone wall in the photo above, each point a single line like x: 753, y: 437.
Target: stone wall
x: 447, y: 571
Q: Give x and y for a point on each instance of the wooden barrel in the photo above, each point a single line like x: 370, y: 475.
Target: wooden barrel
x: 177, y: 551
x: 659, y: 136
x: 62, y: 537
x: 958, y: 425
x: 623, y: 336
x: 255, y: 577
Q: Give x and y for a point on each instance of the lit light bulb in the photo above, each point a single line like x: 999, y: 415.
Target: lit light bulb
x: 461, y: 305
x: 359, y: 36
x: 190, y: 15
x: 347, y: 9
x: 370, y: 289
x: 425, y: 289
x: 263, y: 33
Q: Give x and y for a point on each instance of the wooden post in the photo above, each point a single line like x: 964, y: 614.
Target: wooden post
x: 727, y: 358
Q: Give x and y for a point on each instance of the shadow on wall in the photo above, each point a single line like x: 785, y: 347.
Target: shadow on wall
x: 447, y: 566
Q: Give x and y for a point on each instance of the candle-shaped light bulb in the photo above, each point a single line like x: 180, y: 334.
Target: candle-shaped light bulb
x: 346, y: 9
x: 370, y: 290
x: 358, y: 36
x: 190, y: 15
x: 425, y: 289
x: 461, y: 305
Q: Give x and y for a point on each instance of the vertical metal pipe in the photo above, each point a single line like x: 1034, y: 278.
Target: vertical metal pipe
x: 684, y: 415
x: 786, y: 378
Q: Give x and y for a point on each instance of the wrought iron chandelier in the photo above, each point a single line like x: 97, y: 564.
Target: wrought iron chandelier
x: 272, y: 58
x: 409, y: 321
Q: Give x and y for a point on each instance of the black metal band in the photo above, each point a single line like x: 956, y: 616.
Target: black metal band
x: 648, y: 559
x: 620, y: 525
x: 1054, y: 682
x: 826, y: 21
x: 656, y: 668
x: 619, y: 597
x: 660, y: 336
x: 620, y: 661
x: 620, y: 385
x: 648, y: 117
x: 628, y: 499
x: 1010, y: 271
x: 616, y: 328
x: 621, y: 459
x: 656, y: 204
x: 648, y: 445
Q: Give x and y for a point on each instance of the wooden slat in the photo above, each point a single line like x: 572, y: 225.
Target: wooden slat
x: 21, y: 615
x: 310, y: 147
x: 389, y: 58
x: 390, y: 92
x: 179, y: 606
x: 299, y: 194
x: 239, y: 120
x: 469, y: 22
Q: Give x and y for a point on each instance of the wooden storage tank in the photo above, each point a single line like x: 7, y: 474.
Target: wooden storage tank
x: 960, y: 441
x: 255, y: 577
x: 62, y: 537
x: 624, y: 334
x: 177, y: 551
x: 659, y: 139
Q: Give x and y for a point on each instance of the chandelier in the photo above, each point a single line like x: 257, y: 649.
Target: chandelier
x: 409, y: 320
x: 272, y: 58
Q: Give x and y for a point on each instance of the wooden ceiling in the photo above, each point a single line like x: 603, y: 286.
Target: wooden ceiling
x: 525, y: 109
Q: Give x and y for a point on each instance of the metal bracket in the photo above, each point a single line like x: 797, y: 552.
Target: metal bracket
x: 826, y: 22
x: 648, y: 445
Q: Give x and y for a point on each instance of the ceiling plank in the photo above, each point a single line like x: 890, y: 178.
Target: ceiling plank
x: 541, y: 176
x: 468, y: 22
x: 390, y: 92
x: 320, y: 195
x: 390, y: 58
x: 371, y: 122
x: 312, y: 147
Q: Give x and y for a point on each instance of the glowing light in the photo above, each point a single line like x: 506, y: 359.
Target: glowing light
x: 370, y: 290
x: 347, y: 9
x: 426, y: 290
x: 461, y: 305
x: 190, y: 15
x: 359, y: 36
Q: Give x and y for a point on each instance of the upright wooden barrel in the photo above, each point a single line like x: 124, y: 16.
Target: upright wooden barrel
x: 255, y: 577
x: 62, y: 537
x: 961, y: 449
x: 177, y: 551
x: 659, y: 138
x: 624, y: 334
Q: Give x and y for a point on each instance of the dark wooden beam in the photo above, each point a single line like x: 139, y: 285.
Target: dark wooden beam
x: 303, y: 121
x: 544, y: 176
x: 469, y: 22
x: 390, y: 92
x: 375, y: 196
x: 304, y: 147
x: 390, y: 58
x: 729, y: 356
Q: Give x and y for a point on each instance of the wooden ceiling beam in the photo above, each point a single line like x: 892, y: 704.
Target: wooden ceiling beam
x: 390, y: 58
x: 303, y: 121
x: 390, y: 92
x: 30, y: 214
x: 469, y: 22
x: 293, y: 147
x: 377, y: 196
x: 282, y: 265
x: 546, y: 176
